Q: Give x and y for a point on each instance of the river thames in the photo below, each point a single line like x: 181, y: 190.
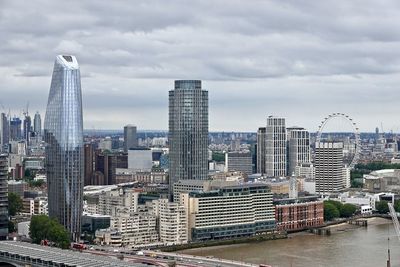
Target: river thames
x: 360, y: 246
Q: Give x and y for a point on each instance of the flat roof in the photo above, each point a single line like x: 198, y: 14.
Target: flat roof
x: 68, y: 257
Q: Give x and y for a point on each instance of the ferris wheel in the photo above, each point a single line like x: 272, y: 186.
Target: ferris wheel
x: 357, y: 143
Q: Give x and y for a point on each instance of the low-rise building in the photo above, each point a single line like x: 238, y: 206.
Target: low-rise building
x: 298, y: 214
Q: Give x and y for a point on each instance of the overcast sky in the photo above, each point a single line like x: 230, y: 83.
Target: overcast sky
x: 298, y: 59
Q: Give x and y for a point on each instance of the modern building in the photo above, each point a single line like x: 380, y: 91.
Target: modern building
x: 106, y: 165
x: 261, y: 152
x: 232, y: 211
x: 239, y: 161
x: 298, y: 214
x: 63, y: 134
x: 130, y: 137
x: 299, y: 148
x: 3, y: 197
x: 27, y: 128
x: 37, y: 124
x: 275, y: 140
x: 4, y: 132
x: 17, y: 187
x: 15, y: 129
x: 172, y: 221
x: 188, y: 132
x: 329, y: 167
x: 89, y: 163
x: 140, y: 159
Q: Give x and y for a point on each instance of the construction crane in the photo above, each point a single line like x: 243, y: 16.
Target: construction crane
x: 396, y: 225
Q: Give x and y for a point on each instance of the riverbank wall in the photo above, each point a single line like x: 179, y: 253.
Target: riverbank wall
x: 222, y: 242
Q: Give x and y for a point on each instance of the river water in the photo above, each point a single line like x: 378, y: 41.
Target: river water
x: 360, y: 246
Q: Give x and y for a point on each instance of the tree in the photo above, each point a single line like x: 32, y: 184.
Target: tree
x: 347, y: 210
x: 14, y: 204
x: 382, y: 207
x: 44, y: 228
x: 11, y: 227
x: 330, y: 211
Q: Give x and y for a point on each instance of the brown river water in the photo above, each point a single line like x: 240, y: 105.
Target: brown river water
x: 357, y: 246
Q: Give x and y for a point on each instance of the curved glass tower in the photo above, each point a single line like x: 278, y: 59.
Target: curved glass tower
x: 188, y: 132
x: 63, y: 133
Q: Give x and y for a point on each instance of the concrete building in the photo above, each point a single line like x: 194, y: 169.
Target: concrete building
x: 93, y: 222
x: 63, y: 134
x: 276, y: 157
x: 17, y: 187
x: 172, y: 221
x: 298, y: 214
x: 299, y: 148
x: 329, y: 167
x: 105, y: 143
x: 3, y: 197
x: 214, y: 214
x: 130, y: 137
x: 188, y: 132
x: 306, y: 170
x: 387, y: 180
x: 187, y: 186
x: 239, y: 161
x: 261, y: 150
x: 140, y: 159
x: 117, y: 201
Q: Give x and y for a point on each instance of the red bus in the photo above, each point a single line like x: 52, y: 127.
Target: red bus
x: 78, y: 246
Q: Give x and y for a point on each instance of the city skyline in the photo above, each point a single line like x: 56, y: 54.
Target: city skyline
x: 293, y: 60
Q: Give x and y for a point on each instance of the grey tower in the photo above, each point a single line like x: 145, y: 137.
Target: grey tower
x: 188, y: 132
x: 261, y: 150
x: 299, y: 148
x: 63, y: 134
x: 37, y: 124
x: 4, y: 132
x: 130, y: 137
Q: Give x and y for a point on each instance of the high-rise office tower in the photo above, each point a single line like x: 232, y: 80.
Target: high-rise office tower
x: 275, y: 140
x: 299, y: 148
x: 63, y: 133
x: 89, y: 163
x: 3, y: 197
x: 15, y: 129
x: 130, y: 137
x: 27, y: 128
x: 4, y: 132
x: 188, y: 132
x: 261, y: 150
x: 329, y: 168
x: 37, y: 124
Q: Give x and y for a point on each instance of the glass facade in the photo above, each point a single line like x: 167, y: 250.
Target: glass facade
x: 3, y: 197
x: 188, y: 132
x: 63, y: 133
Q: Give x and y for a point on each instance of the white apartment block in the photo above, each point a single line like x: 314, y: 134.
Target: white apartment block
x: 136, y: 229
x: 329, y: 171
x: 275, y: 140
x: 117, y: 200
x: 173, y: 221
x: 306, y: 170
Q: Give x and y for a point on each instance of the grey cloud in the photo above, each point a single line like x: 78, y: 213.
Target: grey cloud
x: 256, y: 57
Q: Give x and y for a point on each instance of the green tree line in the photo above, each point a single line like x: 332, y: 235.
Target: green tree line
x: 44, y: 228
x: 335, y: 209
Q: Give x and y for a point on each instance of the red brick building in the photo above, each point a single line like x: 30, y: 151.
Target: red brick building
x: 294, y: 215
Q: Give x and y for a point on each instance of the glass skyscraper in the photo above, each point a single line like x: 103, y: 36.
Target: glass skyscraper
x: 63, y: 133
x: 188, y: 132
